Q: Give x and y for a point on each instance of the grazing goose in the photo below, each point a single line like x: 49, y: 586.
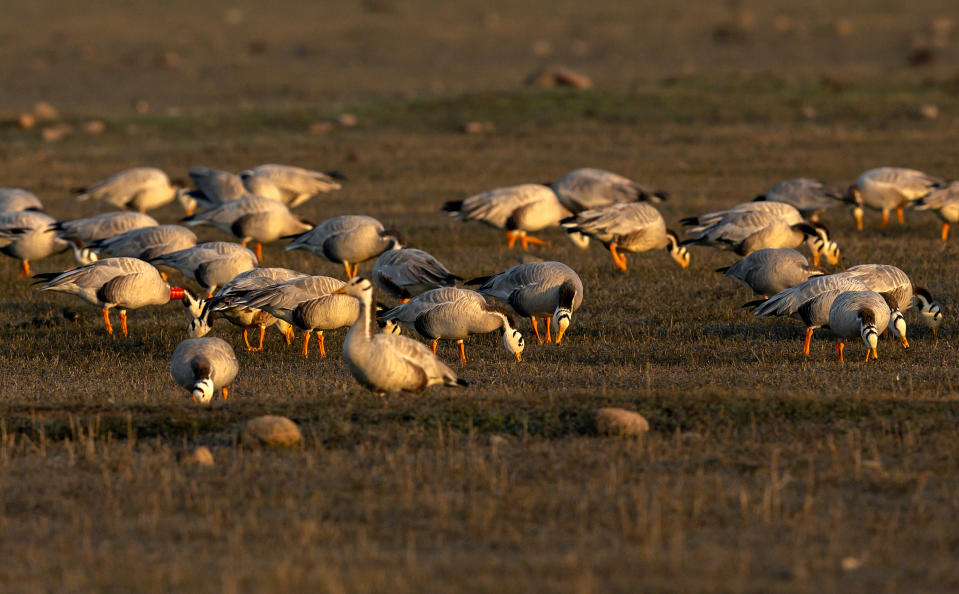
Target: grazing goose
x: 210, y: 264
x: 404, y: 273
x: 945, y: 203
x: 628, y: 227
x: 518, y: 209
x: 889, y: 188
x: 789, y: 213
x: 809, y: 196
x: 347, y: 239
x: 308, y: 303
x: 203, y: 366
x: 589, y: 189
x: 140, y: 189
x: 746, y: 232
x: 884, y: 278
x: 769, y: 271
x: 80, y: 232
x: 859, y: 313
x: 290, y: 185
x: 145, y: 243
x: 455, y: 314
x: 122, y: 283
x: 26, y: 235
x: 16, y: 199
x: 224, y: 305
x: 253, y: 218
x: 386, y: 363
x: 549, y: 290
x: 810, y: 300
x: 213, y: 188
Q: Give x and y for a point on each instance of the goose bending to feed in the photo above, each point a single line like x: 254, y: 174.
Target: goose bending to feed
x: 224, y: 304
x: 287, y: 184
x: 771, y: 270
x: 386, y: 363
x: 17, y: 199
x: 26, y: 235
x: 628, y: 227
x: 140, y: 189
x: 549, y: 290
x: 863, y: 314
x: 945, y: 203
x: 309, y: 303
x: 404, y: 273
x: 885, y: 278
x: 519, y: 210
x: 787, y: 212
x: 121, y: 283
x: 80, y: 232
x: 887, y: 189
x: 253, y: 218
x: 204, y: 366
x: 346, y: 240
x: 213, y: 188
x: 145, y: 243
x: 455, y: 314
x: 590, y: 188
x: 210, y: 264
x: 809, y: 196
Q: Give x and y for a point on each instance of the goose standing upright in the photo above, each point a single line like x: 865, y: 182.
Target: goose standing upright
x: 404, y: 273
x: 549, y: 290
x: 122, y: 283
x: 289, y: 185
x: 859, y: 313
x: 203, y: 366
x: 889, y: 188
x: 140, y: 189
x: 455, y: 314
x: 386, y: 363
x: 518, y: 209
x: 17, y: 199
x: 347, y: 239
x: 26, y: 235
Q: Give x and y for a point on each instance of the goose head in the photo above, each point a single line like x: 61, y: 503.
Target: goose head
x: 83, y: 256
x: 561, y: 320
x: 579, y: 239
x: 512, y: 338
x: 186, y: 201
x: 358, y: 287
x: 395, y: 239
x: 679, y: 252
x: 193, y: 304
x: 200, y: 325
x: 854, y: 196
x: 820, y: 244
x: 868, y: 331
x: 203, y: 390
x: 897, y: 322
x: 929, y: 311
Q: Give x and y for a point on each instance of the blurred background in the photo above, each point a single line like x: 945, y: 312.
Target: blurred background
x: 112, y: 56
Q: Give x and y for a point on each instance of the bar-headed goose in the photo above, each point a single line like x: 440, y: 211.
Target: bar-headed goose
x: 628, y: 227
x: 789, y: 213
x: 887, y: 189
x: 386, y: 363
x: 307, y: 303
x: 145, y: 243
x: 287, y: 184
x: 225, y: 304
x: 590, y: 188
x: 347, y: 239
x: 407, y: 272
x: 204, y: 366
x: 80, y: 232
x: 454, y: 314
x: 121, y: 283
x: 213, y: 188
x: 26, y: 235
x: 885, y: 278
x: 771, y: 270
x: 863, y: 314
x: 17, y: 199
x: 809, y: 196
x: 549, y: 290
x: 140, y: 189
x: 519, y: 210
x: 210, y: 264
x: 253, y: 218
x: 945, y: 203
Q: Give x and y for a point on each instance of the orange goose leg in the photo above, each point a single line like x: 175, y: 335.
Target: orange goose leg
x: 462, y: 351
x: 106, y: 320
x: 225, y: 392
x: 899, y: 216
x: 536, y: 329
x: 433, y: 346
x: 511, y: 239
x: 945, y: 231
x: 885, y: 218
x: 549, y: 339
x: 320, y: 339
x: 840, y: 346
x: 526, y: 240
x: 805, y: 346
x: 24, y: 271
x: 123, y: 321
x: 306, y: 344
x: 259, y: 252
x: 246, y: 340
x: 619, y: 260
x: 262, y: 333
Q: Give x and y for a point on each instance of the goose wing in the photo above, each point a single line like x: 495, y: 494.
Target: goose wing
x: 495, y: 207
x: 15, y: 199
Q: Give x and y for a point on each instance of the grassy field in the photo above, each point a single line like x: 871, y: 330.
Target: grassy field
x: 764, y: 470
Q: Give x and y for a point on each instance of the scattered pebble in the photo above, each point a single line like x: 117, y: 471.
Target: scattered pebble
x: 928, y: 111
x: 618, y: 421
x: 234, y: 16
x: 270, y: 431
x: 746, y: 20
x: 347, y: 120
x: 171, y: 59
x: 921, y: 56
x: 851, y: 563
x: 843, y: 28
x: 579, y: 47
x: 321, y: 127
x: 782, y: 23
x: 498, y: 441
x: 56, y: 132
x: 542, y: 48
x: 809, y: 112
x: 478, y: 127
x: 558, y: 77
x: 26, y: 120
x: 201, y: 456
x: 45, y: 111
x: 94, y: 127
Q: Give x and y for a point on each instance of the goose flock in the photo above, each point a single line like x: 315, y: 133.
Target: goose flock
x: 123, y: 259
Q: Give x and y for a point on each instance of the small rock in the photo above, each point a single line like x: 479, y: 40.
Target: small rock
x: 321, y: 127
x: 170, y: 59
x: 201, y: 456
x: 142, y: 106
x: 498, y: 441
x: 56, y: 132
x: 617, y: 421
x: 94, y: 127
x: 270, y: 431
x: 782, y: 23
x: 558, y: 77
x: 746, y: 20
x: 851, y: 563
x: 26, y: 120
x: 234, y: 16
x: 347, y: 120
x: 478, y: 127
x: 921, y: 56
x: 542, y: 48
x: 45, y: 111
x: 843, y: 28
x: 809, y: 112
x: 173, y: 111
x: 579, y: 47
x: 928, y: 111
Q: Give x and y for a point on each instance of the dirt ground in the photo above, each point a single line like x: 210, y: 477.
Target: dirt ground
x: 764, y: 470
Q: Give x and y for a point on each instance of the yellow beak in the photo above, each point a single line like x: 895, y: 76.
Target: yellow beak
x: 559, y: 335
x: 519, y: 356
x: 340, y: 291
x: 935, y: 331
x: 904, y: 342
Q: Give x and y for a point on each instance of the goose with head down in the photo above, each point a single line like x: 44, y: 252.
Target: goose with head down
x: 210, y: 264
x: 548, y: 290
x: 213, y: 188
x: 145, y: 243
x: 520, y: 210
x: 140, y: 189
x: 81, y: 232
x: 771, y: 270
x: 863, y: 314
x: 455, y: 314
x: 287, y: 184
x: 26, y: 235
x: 944, y: 202
x: 347, y: 239
x: 204, y: 366
x: 17, y: 199
x: 809, y: 196
x: 889, y: 188
x: 885, y: 278
x: 404, y: 273
x: 386, y: 363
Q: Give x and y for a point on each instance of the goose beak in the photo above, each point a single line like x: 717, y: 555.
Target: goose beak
x: 559, y: 335
x: 935, y: 331
x: 519, y: 357
x: 340, y: 291
x: 904, y: 342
